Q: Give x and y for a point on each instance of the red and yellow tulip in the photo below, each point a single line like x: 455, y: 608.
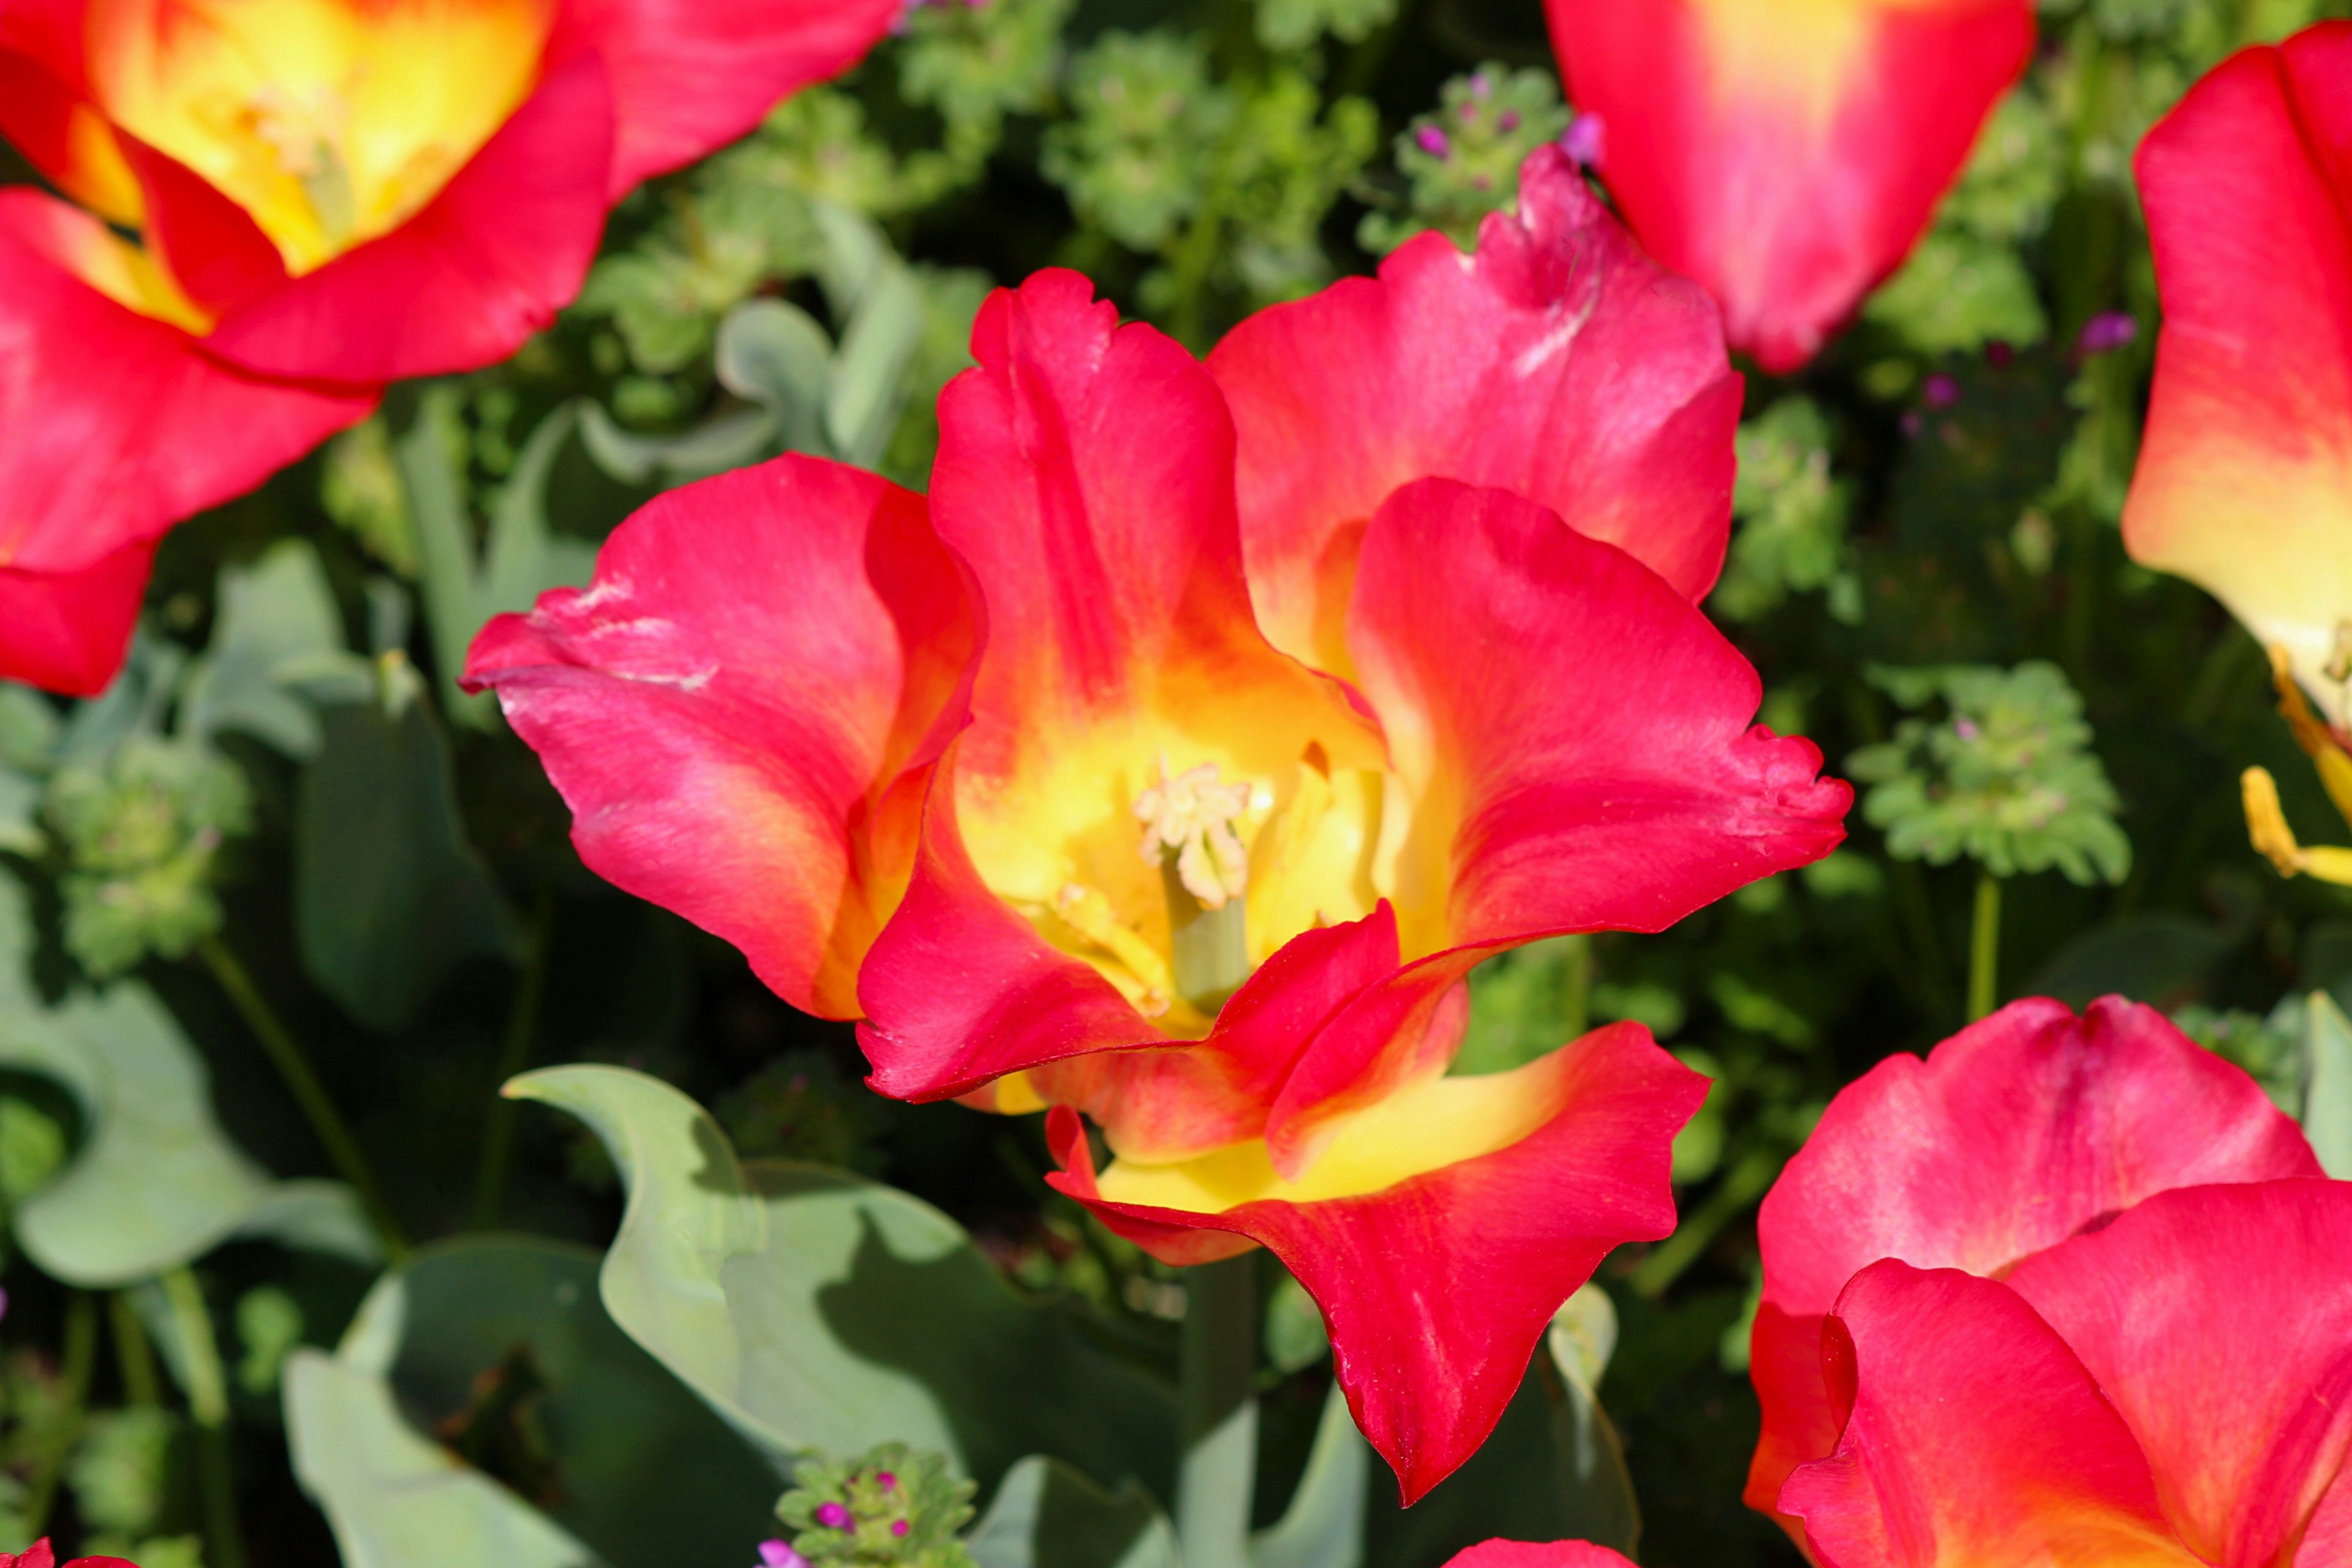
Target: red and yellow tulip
x: 1174, y: 761
x: 2245, y: 474
x: 2170, y: 1388
x: 2021, y: 1131
x: 1786, y: 153
x: 327, y: 195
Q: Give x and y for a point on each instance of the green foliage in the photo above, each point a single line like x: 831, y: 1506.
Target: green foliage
x: 120, y: 1472
x: 1135, y: 157
x: 800, y: 1106
x: 2007, y: 778
x: 1462, y: 160
x: 1287, y: 25
x: 141, y: 831
x: 892, y: 1507
x: 1792, y: 517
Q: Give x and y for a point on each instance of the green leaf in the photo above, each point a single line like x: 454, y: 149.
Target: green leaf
x: 773, y: 353
x: 156, y: 1184
x: 389, y: 898
x: 2327, y: 1084
x: 1957, y: 293
x: 728, y: 441
x: 395, y: 1498
x: 1596, y: 1489
x: 868, y: 381
x: 1324, y: 1525
x: 1048, y: 1515
x: 818, y: 1310
x: 2157, y: 957
x: 277, y: 628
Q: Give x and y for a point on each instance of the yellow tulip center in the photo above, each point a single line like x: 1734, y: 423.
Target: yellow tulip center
x: 330, y: 122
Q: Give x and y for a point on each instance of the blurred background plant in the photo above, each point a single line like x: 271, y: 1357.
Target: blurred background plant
x: 281, y: 911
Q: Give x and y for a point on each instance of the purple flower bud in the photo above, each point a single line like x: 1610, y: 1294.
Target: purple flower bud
x: 1509, y: 121
x: 1432, y: 141
x: 900, y: 1528
x: 886, y: 1481
x: 2106, y: 332
x: 833, y: 1516
x: 779, y: 1554
x: 1940, y: 391
x: 1965, y: 729
x: 1587, y: 141
x: 1482, y: 84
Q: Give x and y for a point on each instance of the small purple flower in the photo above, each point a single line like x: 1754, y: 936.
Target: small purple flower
x: 1433, y: 140
x: 1940, y: 391
x: 886, y: 1481
x: 1509, y: 121
x: 1965, y: 729
x: 779, y: 1554
x: 2106, y: 332
x: 1482, y: 84
x: 900, y: 1528
x: 833, y: 1516
x: 1586, y: 142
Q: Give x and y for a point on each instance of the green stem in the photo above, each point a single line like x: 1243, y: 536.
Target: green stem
x: 308, y: 1092
x: 1220, y: 1416
x: 1741, y: 1185
x: 523, y: 1028
x: 207, y: 1391
x: 1576, y: 1006
x: 141, y: 1386
x: 80, y: 1353
x: 1984, y: 948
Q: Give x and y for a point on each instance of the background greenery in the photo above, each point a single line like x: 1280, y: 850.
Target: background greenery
x: 285, y: 817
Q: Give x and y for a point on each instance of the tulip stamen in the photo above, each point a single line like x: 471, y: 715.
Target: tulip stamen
x: 1190, y: 832
x: 305, y: 132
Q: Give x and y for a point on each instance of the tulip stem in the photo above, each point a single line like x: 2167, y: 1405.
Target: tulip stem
x: 1984, y: 948
x: 1219, y: 1414
x: 80, y: 1352
x: 206, y: 1384
x: 293, y: 1067
x: 523, y: 1028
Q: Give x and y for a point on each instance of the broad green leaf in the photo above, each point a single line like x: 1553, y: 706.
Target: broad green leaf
x: 868, y: 382
x: 395, y: 1498
x: 389, y: 898
x: 156, y: 1183
x: 1596, y: 1491
x: 524, y: 557
x: 276, y: 627
x: 29, y: 727
x: 728, y: 441
x: 633, y: 1464
x: 1047, y: 1515
x: 2156, y: 957
x: 774, y: 354
x: 818, y: 1310
x: 2327, y: 1086
x: 1324, y: 1525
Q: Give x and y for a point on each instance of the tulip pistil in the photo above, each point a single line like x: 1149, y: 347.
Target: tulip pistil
x: 1190, y: 831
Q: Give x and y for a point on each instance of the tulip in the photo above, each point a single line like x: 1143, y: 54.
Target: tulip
x: 1177, y: 759
x: 2169, y: 1389
x: 1537, y: 1555
x: 38, y: 1555
x: 328, y: 195
x: 2244, y: 484
x: 2010, y: 1137
x: 1787, y: 153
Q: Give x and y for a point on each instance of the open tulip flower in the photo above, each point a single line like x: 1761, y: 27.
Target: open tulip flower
x: 1786, y: 153
x: 328, y: 195
x: 2244, y: 484
x: 1178, y: 759
x: 2023, y: 1131
x: 2168, y: 1389
x: 1537, y: 1555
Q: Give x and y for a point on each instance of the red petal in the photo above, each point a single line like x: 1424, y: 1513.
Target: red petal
x: 486, y: 263
x: 116, y: 426
x: 1561, y: 363
x: 65, y: 136
x: 2219, y: 1320
x: 690, y: 76
x: 1437, y: 1289
x: 2011, y: 1136
x: 743, y: 710
x: 216, y: 252
x: 1587, y: 726
x: 1165, y: 1103
x: 1976, y: 1437
x: 1787, y: 158
x: 67, y: 631
x: 1536, y: 1554
x: 2244, y: 468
